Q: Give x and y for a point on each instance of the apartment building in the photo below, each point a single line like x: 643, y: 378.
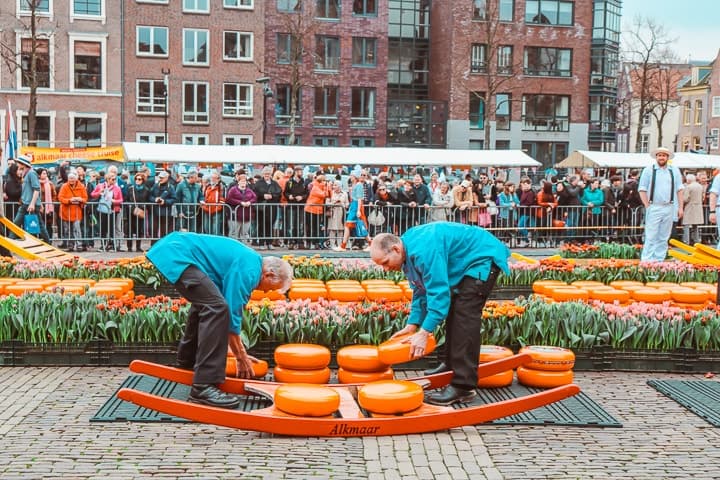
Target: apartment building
x: 699, y: 125
x: 79, y: 85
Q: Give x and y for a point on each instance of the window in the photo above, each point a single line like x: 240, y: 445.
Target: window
x: 477, y: 110
x: 362, y: 142
x: 237, y: 100
x: 42, y: 62
x: 327, y: 53
x: 283, y: 107
x: 195, y: 102
x: 241, y: 4
x: 505, y: 10
x: 549, y: 12
x: 365, y: 7
x: 476, y: 144
x: 329, y: 9
x: 289, y: 5
x: 326, y: 107
x: 504, y: 59
x: 152, y: 41
x: 41, y: 6
x: 364, y: 51
x: 144, y: 137
x: 236, y: 140
x: 285, y: 140
x: 288, y: 48
x: 644, y: 143
x: 502, y: 144
x: 502, y: 111
x: 195, y: 139
x: 646, y: 120
x: 546, y: 112
x: 42, y: 131
x: 698, y: 112
x: 325, y: 141
x: 150, y: 97
x: 196, y: 6
x: 715, y: 134
x: 87, y: 64
x: 716, y: 106
x: 87, y: 131
x: 480, y: 10
x: 362, y: 108
x: 687, y: 109
x: 478, y: 58
x: 554, y: 62
x: 548, y: 153
x: 91, y: 8
x: 195, y: 47
x: 237, y: 46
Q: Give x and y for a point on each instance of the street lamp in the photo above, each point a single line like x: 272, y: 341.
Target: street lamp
x: 166, y: 88
x: 267, y: 93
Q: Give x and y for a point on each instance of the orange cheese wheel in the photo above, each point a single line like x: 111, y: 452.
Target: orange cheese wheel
x: 651, y: 295
x: 346, y: 294
x: 270, y: 295
x: 610, y: 295
x: 625, y: 283
x: 307, y: 293
x: 348, y: 376
x: 688, y: 295
x: 67, y: 289
x: 306, y: 400
x: 703, y: 285
x: 490, y: 353
x: 78, y: 281
x: 302, y: 356
x: 129, y: 281
x: 314, y: 281
x: 125, y: 287
x: 342, y: 283
x: 499, y: 380
x: 378, y: 282
x: 107, y: 290
x: 404, y: 284
x: 22, y: 289
x: 360, y: 358
x: 662, y: 285
x: 390, y: 396
x: 408, y: 293
x: 388, y: 294
x: 587, y: 283
x: 41, y: 281
x: 289, y: 375
x: 542, y: 378
x: 549, y: 358
x: 538, y: 286
x: 568, y: 294
x: 394, y: 351
x: 260, y: 368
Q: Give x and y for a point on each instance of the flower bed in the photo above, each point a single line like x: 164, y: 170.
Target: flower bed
x: 600, y: 250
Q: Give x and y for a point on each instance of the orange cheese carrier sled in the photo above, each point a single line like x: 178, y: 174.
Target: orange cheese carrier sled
x: 360, y: 411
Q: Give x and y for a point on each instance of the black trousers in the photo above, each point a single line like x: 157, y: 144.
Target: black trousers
x: 462, y: 328
x: 205, y: 341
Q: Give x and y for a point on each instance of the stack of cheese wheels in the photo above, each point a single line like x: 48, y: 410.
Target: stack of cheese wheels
x: 489, y: 353
x: 550, y: 367
x: 383, y: 290
x: 390, y: 397
x: 307, y: 289
x: 396, y: 351
x: 361, y: 364
x: 302, y: 363
x: 260, y: 368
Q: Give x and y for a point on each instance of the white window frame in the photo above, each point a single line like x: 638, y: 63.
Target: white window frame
x: 87, y: 37
x: 101, y: 17
x: 19, y: 114
x: 154, y: 108
x: 699, y: 111
x: 196, y: 31
x: 194, y: 137
x: 138, y: 53
x: 163, y: 2
x: 196, y: 113
x: 71, y: 127
x: 150, y: 135
x: 25, y: 13
x: 238, y: 110
x: 646, y: 120
x: 51, y: 51
x: 251, y: 5
x: 644, y: 143
x: 195, y: 10
x: 240, y: 35
x: 715, y: 133
x: 237, y: 140
x: 715, y: 107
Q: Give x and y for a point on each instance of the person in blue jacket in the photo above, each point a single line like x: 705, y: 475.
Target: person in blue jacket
x: 451, y: 269
x: 217, y: 275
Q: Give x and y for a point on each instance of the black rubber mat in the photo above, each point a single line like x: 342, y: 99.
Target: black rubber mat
x: 579, y: 410
x: 702, y: 397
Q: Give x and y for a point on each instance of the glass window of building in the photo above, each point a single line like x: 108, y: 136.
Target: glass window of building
x: 549, y: 12
x: 42, y: 62
x: 540, y: 61
x: 151, y: 41
x: 150, y: 97
x: 362, y: 112
x: 196, y: 107
x: 546, y: 112
x: 195, y: 47
x: 364, y: 52
x: 237, y: 100
x: 87, y: 65
x: 326, y: 107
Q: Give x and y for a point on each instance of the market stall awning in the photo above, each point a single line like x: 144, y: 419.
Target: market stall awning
x: 44, y: 156
x: 588, y: 159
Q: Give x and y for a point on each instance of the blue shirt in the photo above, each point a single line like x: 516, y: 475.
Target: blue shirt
x: 234, y: 268
x: 663, y: 182
x: 31, y: 184
x: 437, y: 257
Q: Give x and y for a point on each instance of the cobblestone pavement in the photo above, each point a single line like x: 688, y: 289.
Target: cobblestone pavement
x: 45, y: 433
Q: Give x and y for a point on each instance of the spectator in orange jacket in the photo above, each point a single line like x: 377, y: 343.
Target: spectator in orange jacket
x: 315, y: 209
x: 212, y: 206
x: 72, y: 197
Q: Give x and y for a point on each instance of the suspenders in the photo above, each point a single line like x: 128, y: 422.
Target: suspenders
x: 672, y: 184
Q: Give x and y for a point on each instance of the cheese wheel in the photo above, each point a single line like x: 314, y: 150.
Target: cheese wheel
x: 378, y: 282
x: 543, y: 378
x: 490, y: 353
x: 587, y: 283
x: 40, y: 281
x: 67, y: 289
x: 688, y: 295
x: 662, y: 285
x: 270, y: 295
x: 348, y: 376
x: 390, y: 396
x: 107, y: 290
x: 260, y: 368
x: 624, y: 283
x: 22, y: 289
x: 342, y: 283
x: 388, y: 294
x: 610, y: 295
x: 499, y: 380
x: 288, y: 375
x: 347, y: 294
x: 568, y: 294
x: 704, y: 285
x: 549, y: 358
x: 394, y: 351
x: 302, y: 356
x: 129, y: 281
x: 102, y: 284
x: 651, y: 295
x: 306, y: 400
x: 307, y: 293
x: 539, y: 285
x: 360, y: 358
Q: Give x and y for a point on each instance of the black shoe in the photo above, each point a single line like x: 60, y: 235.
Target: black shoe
x: 450, y: 395
x: 213, y: 396
x: 442, y: 368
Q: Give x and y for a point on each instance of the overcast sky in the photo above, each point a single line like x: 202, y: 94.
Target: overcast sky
x: 695, y: 24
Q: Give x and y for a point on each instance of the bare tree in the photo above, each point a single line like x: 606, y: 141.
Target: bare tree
x: 31, y: 57
x: 648, y: 49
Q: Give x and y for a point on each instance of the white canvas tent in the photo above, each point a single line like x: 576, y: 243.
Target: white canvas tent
x: 588, y: 159
x: 297, y: 155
